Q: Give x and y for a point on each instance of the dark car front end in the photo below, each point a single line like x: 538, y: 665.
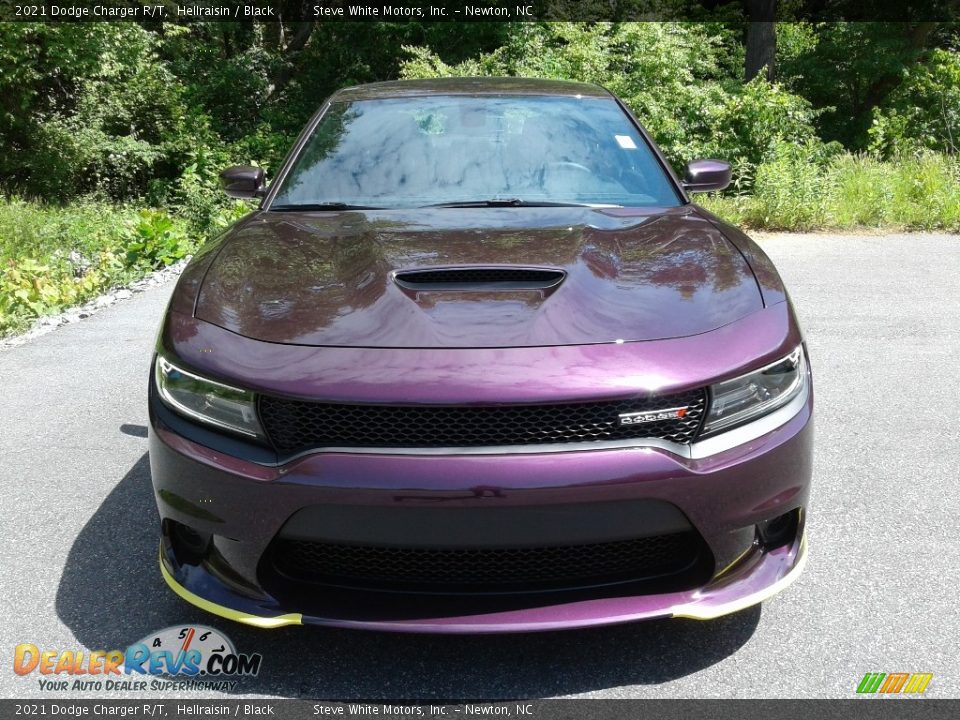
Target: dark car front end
x: 483, y: 417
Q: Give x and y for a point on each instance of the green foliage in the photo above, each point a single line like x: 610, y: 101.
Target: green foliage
x: 52, y: 258
x: 788, y: 188
x: 848, y: 68
x: 41, y: 67
x: 848, y: 191
x: 107, y: 124
x: 222, y: 70
x: 156, y: 241
x: 115, y: 121
x: 747, y: 127
x: 923, y: 113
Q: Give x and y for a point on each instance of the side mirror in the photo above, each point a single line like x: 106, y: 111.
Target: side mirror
x: 242, y: 181
x: 706, y: 175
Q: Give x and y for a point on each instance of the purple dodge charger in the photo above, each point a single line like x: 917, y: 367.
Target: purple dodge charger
x: 477, y: 364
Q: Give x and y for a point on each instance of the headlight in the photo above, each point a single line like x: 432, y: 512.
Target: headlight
x: 734, y: 402
x: 205, y: 400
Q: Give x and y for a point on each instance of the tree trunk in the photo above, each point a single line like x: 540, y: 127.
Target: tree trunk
x: 291, y: 50
x: 761, y: 39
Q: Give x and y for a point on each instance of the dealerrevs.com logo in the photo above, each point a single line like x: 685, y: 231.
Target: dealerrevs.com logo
x: 175, y: 658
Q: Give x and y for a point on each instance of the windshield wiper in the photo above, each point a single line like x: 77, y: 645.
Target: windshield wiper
x: 506, y: 202
x: 307, y: 207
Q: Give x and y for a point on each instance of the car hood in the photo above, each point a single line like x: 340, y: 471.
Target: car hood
x: 330, y: 279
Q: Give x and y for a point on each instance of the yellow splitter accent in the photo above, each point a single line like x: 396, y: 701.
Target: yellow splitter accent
x: 222, y: 611
x: 693, y: 612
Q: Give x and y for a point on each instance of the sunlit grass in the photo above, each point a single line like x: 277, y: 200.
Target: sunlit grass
x: 847, y: 193
x: 54, y: 257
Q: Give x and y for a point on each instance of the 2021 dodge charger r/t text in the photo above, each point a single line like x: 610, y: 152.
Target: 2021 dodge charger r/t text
x: 477, y: 364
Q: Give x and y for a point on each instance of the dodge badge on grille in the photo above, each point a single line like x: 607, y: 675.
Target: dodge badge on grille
x: 638, y: 418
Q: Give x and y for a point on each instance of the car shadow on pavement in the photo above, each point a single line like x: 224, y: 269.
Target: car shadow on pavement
x: 111, y: 594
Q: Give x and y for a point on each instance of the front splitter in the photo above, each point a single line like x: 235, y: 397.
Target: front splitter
x: 755, y: 578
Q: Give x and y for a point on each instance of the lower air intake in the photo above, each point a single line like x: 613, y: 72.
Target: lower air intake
x: 499, y: 569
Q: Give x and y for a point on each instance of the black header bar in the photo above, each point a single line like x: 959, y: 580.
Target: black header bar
x: 186, y: 11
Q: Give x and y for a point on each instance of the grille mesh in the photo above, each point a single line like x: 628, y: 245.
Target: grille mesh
x: 294, y: 425
x: 487, y: 569
x: 479, y: 276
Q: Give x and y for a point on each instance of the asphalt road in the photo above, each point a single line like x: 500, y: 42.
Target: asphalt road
x: 880, y: 593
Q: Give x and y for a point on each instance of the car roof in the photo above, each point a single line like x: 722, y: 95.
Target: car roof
x: 470, y: 86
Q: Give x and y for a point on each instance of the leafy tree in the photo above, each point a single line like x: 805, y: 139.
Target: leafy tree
x: 94, y: 111
x: 849, y: 68
x: 923, y: 113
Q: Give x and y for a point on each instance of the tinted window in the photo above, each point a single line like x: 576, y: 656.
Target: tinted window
x: 408, y: 152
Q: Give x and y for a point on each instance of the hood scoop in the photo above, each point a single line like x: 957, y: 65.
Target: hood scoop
x: 479, y: 278
x: 487, y: 278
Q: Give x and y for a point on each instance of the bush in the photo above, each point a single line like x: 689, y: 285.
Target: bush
x: 860, y: 191
x: 155, y: 240
x: 923, y: 113
x: 848, y: 191
x: 752, y: 124
x: 52, y: 258
x: 790, y: 188
x: 106, y: 125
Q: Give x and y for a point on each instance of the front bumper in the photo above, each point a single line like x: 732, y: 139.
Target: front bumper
x: 241, y: 507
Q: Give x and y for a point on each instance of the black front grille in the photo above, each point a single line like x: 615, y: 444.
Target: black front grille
x: 485, y: 569
x: 294, y: 425
x: 480, y: 276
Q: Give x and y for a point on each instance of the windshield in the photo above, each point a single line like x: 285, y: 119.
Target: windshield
x: 445, y: 150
